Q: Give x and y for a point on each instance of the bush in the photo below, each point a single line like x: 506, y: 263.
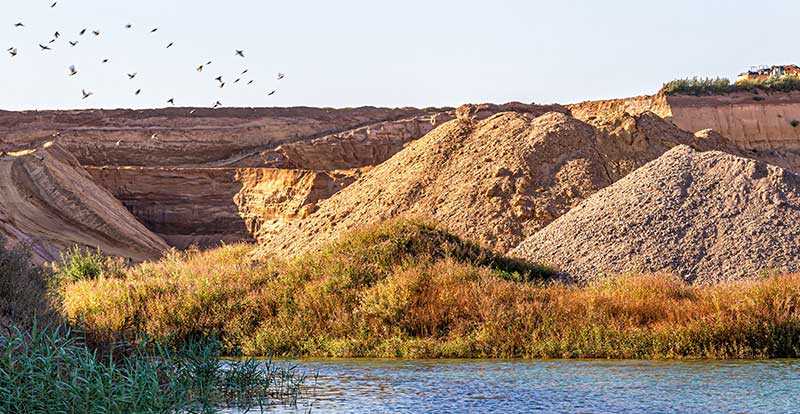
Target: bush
x: 720, y: 86
x: 79, y: 264
x: 23, y: 289
x: 795, y: 123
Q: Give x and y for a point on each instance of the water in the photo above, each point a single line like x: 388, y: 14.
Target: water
x: 469, y: 386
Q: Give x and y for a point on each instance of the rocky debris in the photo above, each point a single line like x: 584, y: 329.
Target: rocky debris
x: 50, y: 203
x: 706, y: 216
x: 495, y: 181
x: 209, y: 206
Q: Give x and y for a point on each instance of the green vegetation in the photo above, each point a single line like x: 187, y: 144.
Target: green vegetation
x: 50, y: 371
x: 78, y: 264
x: 407, y: 289
x: 720, y: 86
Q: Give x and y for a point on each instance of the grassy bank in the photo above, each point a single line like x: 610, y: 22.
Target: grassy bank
x: 409, y: 290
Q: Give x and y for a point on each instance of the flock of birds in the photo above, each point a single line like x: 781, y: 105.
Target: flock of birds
x: 72, y: 70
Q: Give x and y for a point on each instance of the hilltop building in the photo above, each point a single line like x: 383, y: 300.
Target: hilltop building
x: 760, y: 73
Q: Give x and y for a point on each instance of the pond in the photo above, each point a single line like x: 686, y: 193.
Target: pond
x: 552, y: 386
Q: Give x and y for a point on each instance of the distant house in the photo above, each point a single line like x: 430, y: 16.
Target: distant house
x: 761, y: 73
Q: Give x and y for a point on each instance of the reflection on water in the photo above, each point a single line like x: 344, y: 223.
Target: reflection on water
x: 390, y: 386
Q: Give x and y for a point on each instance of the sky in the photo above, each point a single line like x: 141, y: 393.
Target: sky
x: 347, y: 53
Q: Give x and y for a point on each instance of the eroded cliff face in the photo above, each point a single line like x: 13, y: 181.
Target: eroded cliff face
x: 49, y: 203
x: 753, y: 122
x: 183, y: 136
x: 209, y: 206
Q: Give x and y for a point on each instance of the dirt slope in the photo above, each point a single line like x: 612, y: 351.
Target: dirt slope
x: 707, y: 216
x: 48, y: 201
x: 495, y: 181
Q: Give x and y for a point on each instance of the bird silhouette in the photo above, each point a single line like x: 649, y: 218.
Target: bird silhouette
x: 154, y: 136
x: 200, y: 68
x: 154, y: 30
x: 240, y: 53
x: 281, y: 76
x: 217, y: 104
x: 138, y: 91
x: 237, y: 80
x: 171, y: 101
x: 96, y: 32
x: 208, y: 63
x: 170, y: 45
x: 218, y: 79
x: 53, y: 5
x: 82, y: 32
x: 57, y: 35
x: 132, y: 75
x: 73, y: 44
x: 72, y: 70
x: 86, y: 94
x: 12, y: 51
x: 43, y: 47
x: 271, y: 93
x: 222, y: 85
x: 250, y: 82
x: 245, y: 71
x: 105, y: 60
x: 19, y: 25
x: 52, y: 41
x: 118, y: 142
x: 128, y: 26
x: 192, y: 111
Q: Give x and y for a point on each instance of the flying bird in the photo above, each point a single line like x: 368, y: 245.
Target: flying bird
x: 53, y: 5
x: 192, y: 111
x: 86, y: 94
x: 19, y: 25
x: 154, y: 136
x: 138, y: 91
x: 171, y: 101
x: 52, y: 41
x: 73, y: 44
x: 217, y: 104
x: 82, y: 32
x: 105, y: 60
x: 237, y: 80
x: 154, y: 30
x: 250, y: 82
x: 218, y: 79
x: 245, y: 71
x: 118, y: 142
x: 208, y: 63
x: 57, y: 35
x: 200, y: 68
x: 96, y: 32
x: 132, y: 75
x: 271, y: 93
x: 222, y: 85
x: 72, y: 70
x: 128, y: 26
x: 12, y: 51
x: 43, y: 47
x: 281, y: 76
x: 170, y: 45
x: 240, y: 53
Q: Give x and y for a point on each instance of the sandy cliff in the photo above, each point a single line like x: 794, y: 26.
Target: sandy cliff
x: 49, y: 202
x: 206, y: 206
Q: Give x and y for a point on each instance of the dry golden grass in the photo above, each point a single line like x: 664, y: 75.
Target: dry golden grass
x: 406, y: 289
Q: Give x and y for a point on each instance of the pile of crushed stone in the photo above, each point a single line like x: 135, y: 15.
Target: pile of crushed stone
x: 495, y: 181
x: 706, y: 216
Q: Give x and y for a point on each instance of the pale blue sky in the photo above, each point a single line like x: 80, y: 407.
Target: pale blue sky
x: 400, y: 53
